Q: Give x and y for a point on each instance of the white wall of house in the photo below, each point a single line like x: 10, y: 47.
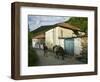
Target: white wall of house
x: 61, y: 42
x: 52, y: 36
x: 49, y: 38
x: 34, y: 41
x: 77, y: 46
x: 63, y: 32
x: 56, y: 35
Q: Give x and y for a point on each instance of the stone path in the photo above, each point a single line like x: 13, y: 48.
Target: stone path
x: 50, y: 59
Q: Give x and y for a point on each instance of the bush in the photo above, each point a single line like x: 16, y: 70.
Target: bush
x: 32, y: 57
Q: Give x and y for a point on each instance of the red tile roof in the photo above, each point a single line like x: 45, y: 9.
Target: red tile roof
x: 68, y: 26
x: 40, y: 36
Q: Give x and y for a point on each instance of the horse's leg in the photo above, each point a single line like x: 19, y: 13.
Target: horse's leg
x: 57, y: 55
x: 62, y: 56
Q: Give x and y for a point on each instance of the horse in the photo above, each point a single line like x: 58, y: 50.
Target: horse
x: 59, y: 51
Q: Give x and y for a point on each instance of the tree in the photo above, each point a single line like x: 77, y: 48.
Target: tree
x: 80, y: 22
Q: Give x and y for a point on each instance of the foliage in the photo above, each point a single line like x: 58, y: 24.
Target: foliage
x: 80, y: 22
x: 32, y: 57
x: 29, y: 38
x: 84, y: 52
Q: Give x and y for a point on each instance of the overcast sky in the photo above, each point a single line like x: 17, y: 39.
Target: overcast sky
x: 37, y: 21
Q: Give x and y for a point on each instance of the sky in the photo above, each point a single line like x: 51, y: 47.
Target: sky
x: 35, y: 22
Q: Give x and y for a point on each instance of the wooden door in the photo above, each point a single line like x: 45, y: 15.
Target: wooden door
x: 69, y: 46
